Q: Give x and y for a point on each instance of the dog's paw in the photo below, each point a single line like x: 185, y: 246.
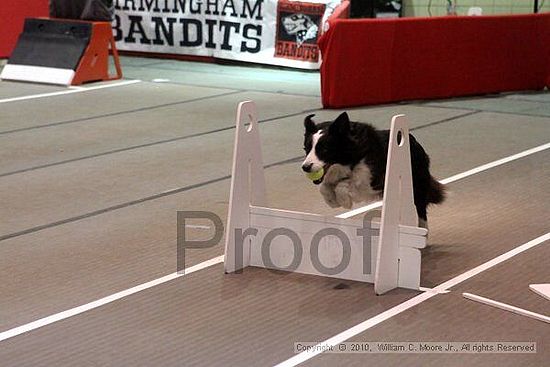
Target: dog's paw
x: 328, y: 195
x: 343, y: 194
x: 337, y: 173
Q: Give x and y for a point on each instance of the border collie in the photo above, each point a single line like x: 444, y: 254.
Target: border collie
x: 353, y: 157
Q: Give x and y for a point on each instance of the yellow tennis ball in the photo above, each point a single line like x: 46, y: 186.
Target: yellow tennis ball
x: 316, y: 175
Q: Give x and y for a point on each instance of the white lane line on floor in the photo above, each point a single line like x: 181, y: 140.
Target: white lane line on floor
x: 373, y: 321
x: 103, y: 301
x: 195, y: 226
x: 78, y: 310
x: 460, y: 176
x: 432, y: 290
x: 496, y: 163
x: 70, y: 90
x: 507, y: 307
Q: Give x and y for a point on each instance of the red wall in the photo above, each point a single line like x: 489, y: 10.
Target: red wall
x: 12, y: 16
x: 371, y: 61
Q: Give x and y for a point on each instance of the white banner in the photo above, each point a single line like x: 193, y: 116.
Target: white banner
x: 277, y: 32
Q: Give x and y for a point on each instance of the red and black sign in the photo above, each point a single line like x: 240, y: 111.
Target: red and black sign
x: 298, y: 27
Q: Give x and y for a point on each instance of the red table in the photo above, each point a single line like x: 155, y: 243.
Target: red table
x: 372, y: 61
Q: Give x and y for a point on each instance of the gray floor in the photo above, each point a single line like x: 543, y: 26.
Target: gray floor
x: 90, y: 183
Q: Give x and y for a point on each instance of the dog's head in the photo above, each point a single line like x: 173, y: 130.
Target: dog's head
x: 327, y: 143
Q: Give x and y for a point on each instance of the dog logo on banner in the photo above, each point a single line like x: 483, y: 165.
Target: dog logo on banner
x: 298, y: 27
x: 301, y: 26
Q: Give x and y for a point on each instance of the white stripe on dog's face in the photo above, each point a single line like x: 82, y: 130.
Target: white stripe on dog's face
x: 311, y: 157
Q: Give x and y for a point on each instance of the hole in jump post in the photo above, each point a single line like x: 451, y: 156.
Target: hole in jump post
x: 249, y: 124
x: 400, y: 138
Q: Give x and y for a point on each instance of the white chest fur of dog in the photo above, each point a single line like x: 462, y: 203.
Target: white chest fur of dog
x: 343, y: 186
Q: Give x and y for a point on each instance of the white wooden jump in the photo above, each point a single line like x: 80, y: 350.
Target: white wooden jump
x: 316, y: 244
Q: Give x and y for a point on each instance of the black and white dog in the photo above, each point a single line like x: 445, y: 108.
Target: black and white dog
x: 353, y: 157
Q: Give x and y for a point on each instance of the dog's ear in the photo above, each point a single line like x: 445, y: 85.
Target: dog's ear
x: 309, y: 124
x: 340, y: 126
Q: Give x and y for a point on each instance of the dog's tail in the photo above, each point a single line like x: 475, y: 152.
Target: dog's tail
x: 436, y: 191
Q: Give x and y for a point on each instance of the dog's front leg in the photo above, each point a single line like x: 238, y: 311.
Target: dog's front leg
x: 336, y: 186
x: 327, y: 191
x: 343, y: 194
